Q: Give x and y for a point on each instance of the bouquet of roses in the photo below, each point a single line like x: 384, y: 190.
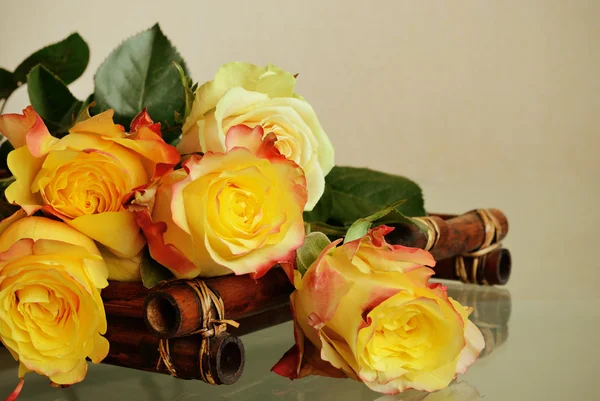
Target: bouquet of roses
x: 233, y: 176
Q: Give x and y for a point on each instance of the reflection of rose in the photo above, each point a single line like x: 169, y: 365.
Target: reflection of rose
x: 51, y: 313
x: 84, y: 177
x: 491, y: 312
x: 246, y: 94
x: 455, y: 392
x: 237, y: 211
x: 369, y: 309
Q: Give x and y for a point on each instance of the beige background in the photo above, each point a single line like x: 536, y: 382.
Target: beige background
x: 485, y: 104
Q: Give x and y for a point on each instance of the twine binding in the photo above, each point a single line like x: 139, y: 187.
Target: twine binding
x: 493, y: 233
x: 433, y: 231
x: 210, y: 328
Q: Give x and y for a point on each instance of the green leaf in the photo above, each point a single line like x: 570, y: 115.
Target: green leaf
x: 52, y: 100
x: 313, y: 245
x: 327, y: 229
x: 140, y: 73
x: 360, y: 227
x: 173, y: 141
x: 395, y: 218
x: 359, y: 192
x: 153, y: 272
x: 66, y: 59
x: 8, y: 83
x: 187, y: 88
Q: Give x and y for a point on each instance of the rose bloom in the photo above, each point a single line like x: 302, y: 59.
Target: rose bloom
x: 239, y: 211
x: 51, y: 314
x: 84, y: 177
x: 366, y: 308
x: 243, y: 93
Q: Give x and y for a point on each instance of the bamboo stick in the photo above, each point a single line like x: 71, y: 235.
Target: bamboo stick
x: 133, y: 346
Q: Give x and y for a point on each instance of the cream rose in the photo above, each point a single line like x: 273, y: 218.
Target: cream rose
x: 51, y: 314
x: 369, y: 310
x: 245, y: 94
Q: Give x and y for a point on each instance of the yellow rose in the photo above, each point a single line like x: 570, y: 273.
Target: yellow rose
x: 246, y: 94
x: 84, y: 177
x: 51, y: 314
x: 368, y: 307
x: 239, y: 211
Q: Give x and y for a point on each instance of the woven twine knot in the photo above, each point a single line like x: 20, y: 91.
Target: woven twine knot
x: 491, y: 242
x: 432, y: 231
x: 212, y: 326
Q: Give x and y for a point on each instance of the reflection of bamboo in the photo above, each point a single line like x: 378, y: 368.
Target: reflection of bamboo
x: 491, y: 312
x: 492, y: 268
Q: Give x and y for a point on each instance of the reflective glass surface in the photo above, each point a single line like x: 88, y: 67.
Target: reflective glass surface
x: 535, y: 350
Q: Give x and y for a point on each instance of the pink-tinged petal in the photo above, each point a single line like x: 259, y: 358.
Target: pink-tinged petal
x: 244, y: 137
x: 377, y: 296
x: 19, y: 249
x: 474, y: 341
x: 143, y: 120
x: 413, y: 255
x: 291, y: 242
x: 288, y: 364
x: 38, y: 138
x: 439, y: 289
x: 471, y: 351
x: 304, y: 359
x: 15, y: 126
x: 313, y: 364
x: 289, y: 268
x: 322, y: 289
x: 310, y: 364
x: 101, y: 124
x: 267, y: 150
x: 262, y: 270
x: 255, y: 140
x: 378, y: 234
x: 166, y: 254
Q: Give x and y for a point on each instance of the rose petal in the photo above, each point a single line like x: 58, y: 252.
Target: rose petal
x: 101, y: 124
x: 15, y: 126
x: 118, y: 231
x: 24, y: 167
x: 143, y: 120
